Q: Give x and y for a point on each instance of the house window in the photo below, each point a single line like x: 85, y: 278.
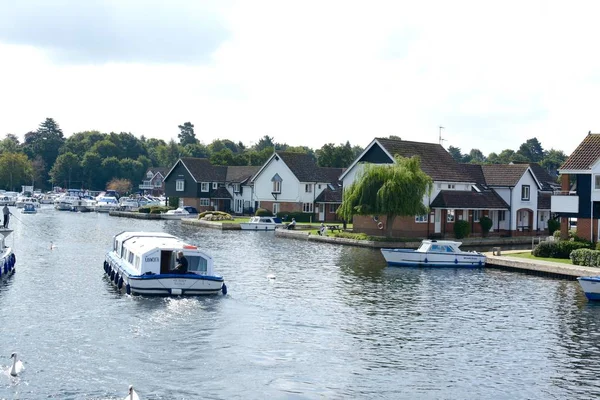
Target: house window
x: 476, y: 215
x: 333, y: 208
x: 451, y: 186
x: 204, y: 187
x: 319, y: 186
x: 275, y: 208
x: 236, y: 187
x: 308, y: 188
x: 215, y: 185
x: 276, y: 186
x: 596, y: 182
x: 421, y: 219
x: 149, y: 174
x: 502, y: 215
x: 157, y: 183
x: 205, y: 202
x: 179, y: 185
x: 307, y: 207
x: 525, y: 192
x: 450, y: 216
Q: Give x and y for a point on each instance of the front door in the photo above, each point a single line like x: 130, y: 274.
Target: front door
x: 322, y: 212
x: 438, y: 221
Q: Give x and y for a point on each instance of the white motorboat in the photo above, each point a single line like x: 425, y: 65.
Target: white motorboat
x: 434, y: 253
x: 590, y: 286
x: 179, y: 213
x: 128, y: 204
x: 142, y: 263
x: 7, y: 257
x: 262, y: 224
x: 22, y: 200
x: 29, y: 209
x: 106, y: 204
x: 65, y: 202
x: 83, y: 204
x: 8, y: 198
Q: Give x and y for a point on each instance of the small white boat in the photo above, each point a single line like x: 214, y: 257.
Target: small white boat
x: 590, y: 286
x: 128, y: 204
x: 29, y: 209
x: 8, y: 198
x: 261, y: 224
x: 179, y: 213
x: 142, y: 263
x: 434, y: 253
x: 65, y: 202
x: 83, y: 204
x: 7, y: 257
x: 106, y: 204
x: 22, y: 200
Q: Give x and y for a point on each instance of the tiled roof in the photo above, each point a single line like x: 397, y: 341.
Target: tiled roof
x: 304, y: 167
x: 240, y: 174
x: 330, y: 196
x: 203, y: 171
x: 163, y: 171
x: 503, y: 174
x: 220, y: 193
x: 470, y: 200
x: 543, y: 201
x: 475, y: 172
x: 435, y: 160
x: 585, y: 155
x: 548, y: 183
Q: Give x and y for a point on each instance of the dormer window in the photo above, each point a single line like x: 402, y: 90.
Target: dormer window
x: 149, y: 174
x: 276, y: 183
x: 236, y: 187
x: 525, y: 195
x: 596, y: 182
x: 308, y: 188
x: 204, y: 187
x: 215, y: 185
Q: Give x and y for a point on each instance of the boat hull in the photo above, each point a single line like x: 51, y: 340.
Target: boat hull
x: 248, y: 226
x: 162, y: 284
x: 7, y: 263
x: 590, y: 286
x: 412, y: 258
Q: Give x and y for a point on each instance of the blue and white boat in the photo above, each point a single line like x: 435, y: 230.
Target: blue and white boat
x: 7, y: 257
x: 142, y: 263
x: 590, y: 286
x: 28, y: 208
x: 435, y: 253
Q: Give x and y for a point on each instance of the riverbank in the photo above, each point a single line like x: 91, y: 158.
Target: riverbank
x: 137, y: 215
x: 539, y: 267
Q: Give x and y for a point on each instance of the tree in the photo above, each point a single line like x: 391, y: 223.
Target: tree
x: 265, y: 142
x: 132, y: 170
x: 15, y: 170
x: 391, y: 190
x: 476, y: 156
x: 10, y: 144
x: 169, y: 154
x: 532, y: 150
x: 66, y: 170
x: 121, y: 186
x: 45, y: 142
x: 553, y: 160
x: 105, y: 148
x: 111, y: 168
x: 455, y: 153
x: 90, y: 168
x: 331, y: 155
x: 186, y: 134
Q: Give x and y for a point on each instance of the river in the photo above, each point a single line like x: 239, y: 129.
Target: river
x: 334, y: 323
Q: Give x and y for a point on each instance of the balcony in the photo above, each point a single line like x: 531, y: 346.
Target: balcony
x: 564, y: 202
x: 147, y: 185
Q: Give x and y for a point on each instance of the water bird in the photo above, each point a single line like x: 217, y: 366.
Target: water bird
x: 52, y: 246
x: 132, y: 394
x: 271, y: 276
x: 17, y: 365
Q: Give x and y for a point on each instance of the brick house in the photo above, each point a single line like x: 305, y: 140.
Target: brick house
x: 153, y: 182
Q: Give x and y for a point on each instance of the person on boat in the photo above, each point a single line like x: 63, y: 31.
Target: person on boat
x: 292, y: 224
x: 182, y: 264
x: 6, y: 213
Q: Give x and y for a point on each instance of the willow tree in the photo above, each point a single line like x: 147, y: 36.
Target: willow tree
x: 389, y: 190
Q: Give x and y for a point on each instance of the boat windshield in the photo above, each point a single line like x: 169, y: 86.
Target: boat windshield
x: 441, y: 248
x: 197, y: 264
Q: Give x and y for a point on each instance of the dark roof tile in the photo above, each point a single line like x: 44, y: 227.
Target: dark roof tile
x: 503, y: 174
x: 304, y: 167
x: 330, y: 196
x: 585, y: 155
x: 470, y: 200
x: 241, y: 174
x: 203, y: 171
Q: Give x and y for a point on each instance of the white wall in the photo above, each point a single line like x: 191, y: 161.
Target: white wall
x: 517, y: 203
x: 263, y: 184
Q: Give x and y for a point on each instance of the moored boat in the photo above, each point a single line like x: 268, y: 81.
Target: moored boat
x: 106, y: 204
x: 435, y: 253
x: 179, y: 213
x: 7, y: 257
x: 23, y: 200
x: 143, y: 263
x: 590, y: 286
x: 261, y: 224
x: 28, y: 209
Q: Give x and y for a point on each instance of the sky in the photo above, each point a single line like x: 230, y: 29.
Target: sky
x: 492, y: 74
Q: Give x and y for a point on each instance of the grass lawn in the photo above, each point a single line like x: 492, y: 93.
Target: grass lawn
x: 527, y: 254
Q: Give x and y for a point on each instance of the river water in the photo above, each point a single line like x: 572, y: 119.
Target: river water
x: 334, y: 323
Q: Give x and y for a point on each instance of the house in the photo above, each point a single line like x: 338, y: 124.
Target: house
x: 198, y: 183
x: 238, y: 183
x: 508, y: 194
x: 292, y: 182
x: 153, y: 182
x: 579, y: 196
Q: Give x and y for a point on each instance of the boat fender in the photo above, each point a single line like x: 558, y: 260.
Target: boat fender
x: 5, y: 267
x: 120, y: 284
x: 117, y: 278
x: 128, y: 289
x: 456, y: 261
x: 112, y: 275
x: 425, y: 260
x: 13, y: 258
x: 380, y: 225
x: 224, y: 289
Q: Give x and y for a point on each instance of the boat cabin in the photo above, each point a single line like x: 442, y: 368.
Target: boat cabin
x: 265, y: 220
x: 439, y: 246
x: 149, y: 253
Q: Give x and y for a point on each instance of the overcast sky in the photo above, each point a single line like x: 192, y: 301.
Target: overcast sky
x: 493, y: 74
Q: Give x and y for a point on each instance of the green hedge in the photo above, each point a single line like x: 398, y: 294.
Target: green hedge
x: 560, y: 249
x: 486, y: 224
x: 587, y: 257
x: 553, y: 226
x: 263, y: 212
x: 461, y: 229
x: 299, y: 216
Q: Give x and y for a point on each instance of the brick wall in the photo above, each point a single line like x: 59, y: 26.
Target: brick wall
x: 283, y: 206
x: 583, y: 228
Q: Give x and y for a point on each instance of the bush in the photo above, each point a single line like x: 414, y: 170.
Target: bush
x: 553, y: 226
x: 299, y: 216
x: 350, y: 235
x: 461, y: 229
x: 263, y: 212
x: 214, y: 213
x: 556, y: 234
x: 486, y: 224
x: 587, y: 257
x: 159, y: 209
x: 561, y: 249
x: 174, y: 202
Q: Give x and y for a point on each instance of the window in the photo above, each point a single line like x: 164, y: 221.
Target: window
x: 236, y: 187
x: 476, y: 215
x: 307, y: 207
x: 179, y: 185
x: 204, y: 187
x: 502, y: 215
x: 333, y: 208
x: 276, y: 186
x: 525, y: 192
x: 451, y: 186
x: 205, y: 202
x: 308, y: 188
x: 319, y: 186
x: 596, y: 182
x: 130, y: 257
x: 215, y: 185
x: 275, y: 208
x: 450, y: 216
x: 158, y: 183
x: 197, y: 264
x: 420, y: 219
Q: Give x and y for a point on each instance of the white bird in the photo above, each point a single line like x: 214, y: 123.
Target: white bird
x: 17, y: 365
x: 271, y: 276
x: 52, y: 246
x: 132, y: 394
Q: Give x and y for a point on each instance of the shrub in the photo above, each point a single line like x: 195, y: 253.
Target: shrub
x: 553, y: 226
x: 561, y: 249
x: 486, y: 224
x: 144, y: 210
x: 598, y: 246
x: 263, y: 212
x: 587, y: 257
x: 299, y: 216
x: 461, y: 229
x: 220, y: 213
x: 159, y: 209
x: 556, y: 234
x: 350, y: 235
x: 174, y: 202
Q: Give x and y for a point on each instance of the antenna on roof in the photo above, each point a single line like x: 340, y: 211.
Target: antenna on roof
x: 441, y: 140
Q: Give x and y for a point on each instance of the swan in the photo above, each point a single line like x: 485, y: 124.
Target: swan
x: 52, y: 246
x: 132, y: 394
x: 271, y: 276
x: 17, y: 365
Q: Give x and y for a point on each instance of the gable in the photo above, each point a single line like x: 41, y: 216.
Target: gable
x: 376, y: 155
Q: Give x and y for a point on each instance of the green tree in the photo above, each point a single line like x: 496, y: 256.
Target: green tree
x: 222, y: 157
x: 532, y: 150
x: 91, y: 168
x: 476, y: 156
x: 186, y: 134
x: 15, y: 170
x: 111, y: 168
x: 10, y: 144
x: 66, y: 171
x: 265, y: 142
x: 45, y: 142
x: 169, y: 154
x: 132, y: 170
x: 105, y: 148
x: 128, y: 145
x: 553, y: 160
x: 455, y: 153
x: 81, y: 142
x: 391, y: 190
